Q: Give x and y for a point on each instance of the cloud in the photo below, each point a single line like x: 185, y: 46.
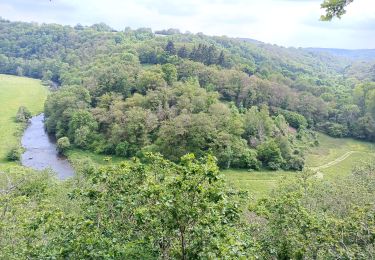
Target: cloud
x: 283, y: 22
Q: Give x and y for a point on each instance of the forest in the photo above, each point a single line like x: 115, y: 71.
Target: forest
x: 247, y: 103
x: 178, y: 108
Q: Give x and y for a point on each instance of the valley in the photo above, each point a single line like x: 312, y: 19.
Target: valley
x: 333, y: 158
x: 171, y: 145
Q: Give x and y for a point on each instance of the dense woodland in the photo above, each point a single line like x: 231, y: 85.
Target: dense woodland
x: 182, y: 106
x: 249, y: 104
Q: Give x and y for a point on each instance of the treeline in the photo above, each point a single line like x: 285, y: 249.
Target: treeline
x: 155, y: 209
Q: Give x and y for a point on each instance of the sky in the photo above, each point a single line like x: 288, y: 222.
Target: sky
x: 283, y: 22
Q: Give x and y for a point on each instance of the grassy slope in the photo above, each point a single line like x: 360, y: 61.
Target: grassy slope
x: 16, y: 92
x: 261, y: 183
x: 332, y: 148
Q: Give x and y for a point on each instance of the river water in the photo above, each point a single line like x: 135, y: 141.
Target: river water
x: 41, y: 150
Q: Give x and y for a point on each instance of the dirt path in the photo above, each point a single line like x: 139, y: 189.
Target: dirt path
x: 327, y: 165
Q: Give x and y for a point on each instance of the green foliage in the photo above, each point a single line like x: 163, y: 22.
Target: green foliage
x: 152, y: 80
x: 158, y: 209
x: 132, y: 210
x: 170, y: 73
x: 63, y: 144
x: 170, y: 49
x: 269, y: 153
x: 23, y: 115
x: 294, y: 119
x: 309, y: 218
x: 122, y: 149
x: 333, y: 129
x: 248, y: 159
x: 334, y: 8
x: 132, y: 91
x: 14, y: 153
x: 82, y: 127
x: 60, y: 107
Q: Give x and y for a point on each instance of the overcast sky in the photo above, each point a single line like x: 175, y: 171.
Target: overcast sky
x: 283, y: 22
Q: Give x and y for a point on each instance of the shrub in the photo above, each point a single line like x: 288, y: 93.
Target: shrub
x: 247, y: 160
x: 23, y: 115
x: 269, y: 153
x: 63, y: 144
x: 14, y: 154
x: 295, y: 163
x: 294, y: 119
x: 333, y: 129
x: 122, y: 149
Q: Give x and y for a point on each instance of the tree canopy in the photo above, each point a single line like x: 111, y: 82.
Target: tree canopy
x: 334, y: 8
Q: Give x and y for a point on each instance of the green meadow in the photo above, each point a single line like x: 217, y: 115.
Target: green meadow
x: 16, y: 92
x: 336, y: 157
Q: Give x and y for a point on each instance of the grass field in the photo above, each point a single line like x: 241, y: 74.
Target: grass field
x: 16, y: 92
x: 260, y: 184
x: 332, y: 148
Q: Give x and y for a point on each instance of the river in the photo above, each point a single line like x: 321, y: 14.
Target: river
x: 40, y: 150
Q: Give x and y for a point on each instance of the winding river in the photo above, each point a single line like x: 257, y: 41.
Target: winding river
x: 40, y: 150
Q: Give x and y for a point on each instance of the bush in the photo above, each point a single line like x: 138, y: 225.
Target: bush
x: 14, y: 154
x: 63, y: 144
x: 122, y: 149
x: 333, y: 129
x: 269, y: 153
x: 247, y: 160
x: 294, y: 119
x: 23, y: 115
x: 274, y: 166
x: 295, y: 163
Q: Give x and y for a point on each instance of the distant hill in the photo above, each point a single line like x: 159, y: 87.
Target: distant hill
x: 364, y: 54
x: 250, y: 40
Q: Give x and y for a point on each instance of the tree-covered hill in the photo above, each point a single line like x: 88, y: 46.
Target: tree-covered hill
x: 361, y: 55
x: 132, y: 91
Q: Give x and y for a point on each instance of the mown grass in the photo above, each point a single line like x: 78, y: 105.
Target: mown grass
x: 258, y: 184
x: 16, y: 92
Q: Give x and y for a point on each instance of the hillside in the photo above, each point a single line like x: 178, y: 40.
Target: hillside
x: 361, y: 55
x: 130, y: 92
x: 184, y: 146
